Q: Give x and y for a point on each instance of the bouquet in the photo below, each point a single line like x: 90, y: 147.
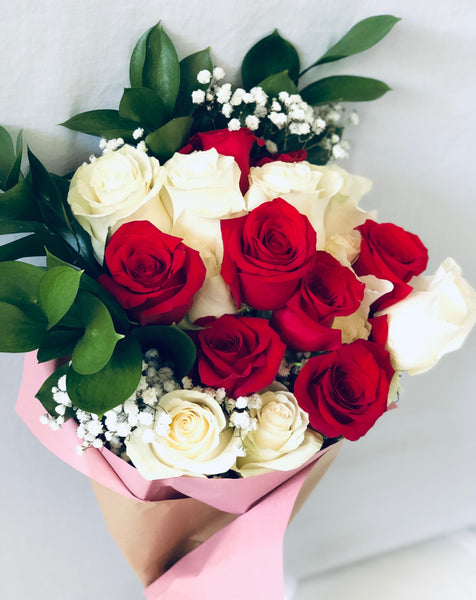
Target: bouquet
x: 216, y: 312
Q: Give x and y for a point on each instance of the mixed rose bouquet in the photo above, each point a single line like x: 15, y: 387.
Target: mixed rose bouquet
x: 215, y: 302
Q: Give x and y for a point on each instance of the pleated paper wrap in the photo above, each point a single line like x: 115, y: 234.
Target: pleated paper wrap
x: 186, y: 537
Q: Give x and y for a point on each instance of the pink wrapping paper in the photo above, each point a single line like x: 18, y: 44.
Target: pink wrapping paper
x: 248, y: 548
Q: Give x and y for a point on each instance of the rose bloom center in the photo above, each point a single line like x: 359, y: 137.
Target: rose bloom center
x: 277, y: 416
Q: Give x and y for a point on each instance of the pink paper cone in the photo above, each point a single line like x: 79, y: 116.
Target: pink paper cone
x: 185, y: 522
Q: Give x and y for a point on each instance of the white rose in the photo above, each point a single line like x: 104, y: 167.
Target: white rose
x: 435, y: 318
x: 328, y: 195
x: 200, y: 189
x: 281, y: 440
x: 112, y: 190
x: 199, y: 441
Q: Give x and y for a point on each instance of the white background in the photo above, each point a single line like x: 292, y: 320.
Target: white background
x: 412, y: 476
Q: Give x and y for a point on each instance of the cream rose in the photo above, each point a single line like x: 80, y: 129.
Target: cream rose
x: 200, y: 189
x: 281, y: 440
x: 198, y: 442
x: 328, y: 195
x: 114, y: 189
x: 435, y: 318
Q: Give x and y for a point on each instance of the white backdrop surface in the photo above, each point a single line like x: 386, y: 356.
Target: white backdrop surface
x: 412, y: 476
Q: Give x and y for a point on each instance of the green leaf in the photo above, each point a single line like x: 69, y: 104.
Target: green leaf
x: 50, y: 202
x: 318, y: 155
x: 58, y: 289
x: 19, y: 283
x: 144, y: 106
x: 119, y: 316
x: 273, y: 54
x: 189, y: 69
x: 95, y: 348
x: 343, y: 88
x: 53, y: 261
x: 110, y: 386
x: 168, y: 139
x: 279, y: 82
x: 17, y: 226
x: 171, y: 342
x: 14, y: 174
x: 31, y: 245
x: 161, y: 71
x: 57, y: 343
x: 104, y: 123
x: 45, y: 395
x: 21, y: 331
x: 19, y: 202
x: 7, y: 155
x: 136, y: 65
x: 361, y: 37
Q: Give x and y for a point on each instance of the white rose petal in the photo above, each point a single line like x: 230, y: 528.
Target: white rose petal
x: 328, y: 196
x: 112, y: 189
x: 435, y: 318
x: 197, y: 442
x: 281, y: 440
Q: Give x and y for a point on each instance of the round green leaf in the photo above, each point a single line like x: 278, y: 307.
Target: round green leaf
x: 161, y: 71
x: 136, y: 65
x: 21, y: 331
x: 110, y: 386
x: 57, y: 343
x: 189, y: 69
x: 58, y: 289
x: 97, y: 344
x: 273, y: 54
x: 279, y: 82
x: 343, y: 88
x: 19, y: 283
x: 172, y: 344
x: 144, y: 106
x: 168, y: 139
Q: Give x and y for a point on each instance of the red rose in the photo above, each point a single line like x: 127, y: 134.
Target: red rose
x: 389, y: 252
x: 241, y: 354
x: 345, y: 391
x: 327, y: 291
x: 266, y: 253
x: 288, y: 157
x: 153, y: 275
x: 229, y: 143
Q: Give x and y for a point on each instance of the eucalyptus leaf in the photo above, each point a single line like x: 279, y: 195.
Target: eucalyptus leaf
x: 57, y: 291
x: 273, y: 54
x: 112, y: 385
x: 57, y: 343
x: 161, y: 71
x: 95, y: 348
x: 21, y: 332
x: 168, y: 139
x: 343, y: 88
x: 361, y: 37
x: 172, y: 343
x: 45, y: 395
x: 279, y: 82
x: 189, y: 69
x: 144, y: 106
x: 106, y: 123
x: 7, y: 155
